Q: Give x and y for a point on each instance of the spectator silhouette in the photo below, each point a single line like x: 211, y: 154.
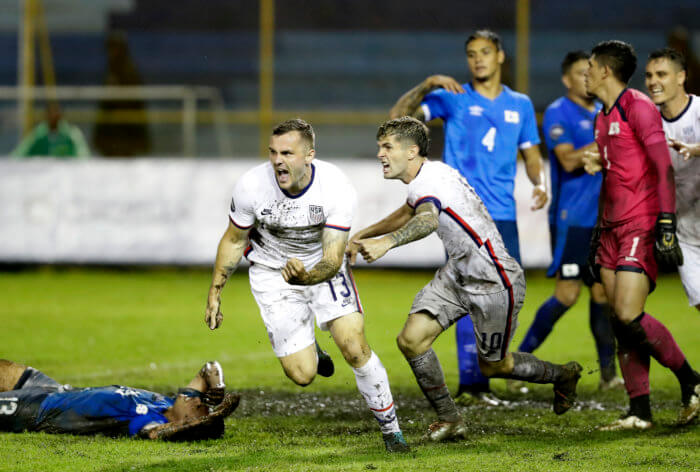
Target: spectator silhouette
x: 121, y: 139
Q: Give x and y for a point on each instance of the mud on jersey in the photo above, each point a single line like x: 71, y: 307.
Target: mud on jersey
x: 284, y: 225
x: 465, y: 227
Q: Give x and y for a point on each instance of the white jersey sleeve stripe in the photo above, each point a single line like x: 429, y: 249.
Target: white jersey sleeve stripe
x: 239, y: 226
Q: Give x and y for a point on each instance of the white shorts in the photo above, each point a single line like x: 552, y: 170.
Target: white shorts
x: 288, y: 311
x: 690, y: 272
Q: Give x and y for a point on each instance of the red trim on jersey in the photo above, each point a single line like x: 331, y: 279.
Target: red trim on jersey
x: 429, y: 198
x: 470, y: 231
x: 339, y: 228
x: 511, y: 298
x: 247, y: 251
x: 383, y: 409
x: 354, y: 289
x: 237, y: 225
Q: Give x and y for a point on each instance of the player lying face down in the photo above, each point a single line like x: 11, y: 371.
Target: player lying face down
x: 32, y: 401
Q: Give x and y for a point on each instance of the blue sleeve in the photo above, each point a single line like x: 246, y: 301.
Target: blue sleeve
x: 140, y: 421
x: 439, y: 104
x: 528, y: 134
x: 556, y: 128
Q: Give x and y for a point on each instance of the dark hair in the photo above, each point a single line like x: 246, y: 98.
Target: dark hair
x: 297, y: 124
x: 617, y: 55
x: 215, y: 430
x: 485, y: 34
x: 572, y: 58
x: 407, y: 128
x: 670, y: 54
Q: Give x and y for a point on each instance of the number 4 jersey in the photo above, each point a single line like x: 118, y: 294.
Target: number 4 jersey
x: 482, y: 138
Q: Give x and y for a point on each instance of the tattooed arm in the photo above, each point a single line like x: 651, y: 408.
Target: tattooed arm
x: 229, y: 253
x: 334, y: 242
x: 423, y: 222
x: 408, y: 104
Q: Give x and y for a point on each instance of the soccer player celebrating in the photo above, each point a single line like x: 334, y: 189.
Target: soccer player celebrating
x: 568, y: 129
x: 680, y: 112
x: 485, y: 124
x: 32, y: 401
x: 637, y: 223
x: 289, y: 214
x: 479, y: 278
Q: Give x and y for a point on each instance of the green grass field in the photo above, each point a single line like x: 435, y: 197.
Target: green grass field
x: 144, y: 328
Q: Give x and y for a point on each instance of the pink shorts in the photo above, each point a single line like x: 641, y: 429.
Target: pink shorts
x: 630, y: 246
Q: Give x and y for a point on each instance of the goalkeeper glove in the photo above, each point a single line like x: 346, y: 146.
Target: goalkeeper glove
x: 591, y: 273
x: 666, y: 249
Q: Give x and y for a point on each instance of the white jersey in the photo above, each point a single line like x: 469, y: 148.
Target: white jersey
x: 686, y: 127
x: 465, y: 228
x: 284, y: 225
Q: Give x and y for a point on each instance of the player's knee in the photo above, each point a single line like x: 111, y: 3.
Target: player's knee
x: 355, y: 352
x: 410, y: 344
x: 567, y: 292
x: 301, y: 375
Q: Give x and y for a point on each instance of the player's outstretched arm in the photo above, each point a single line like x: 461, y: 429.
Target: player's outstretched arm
x: 333, y: 242
x: 228, y: 254
x: 572, y: 159
x: 170, y: 430
x: 424, y: 222
x: 535, y: 172
x: 391, y: 223
x: 408, y: 104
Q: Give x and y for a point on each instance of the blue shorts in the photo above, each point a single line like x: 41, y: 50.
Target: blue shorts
x: 509, y: 233
x: 569, y: 252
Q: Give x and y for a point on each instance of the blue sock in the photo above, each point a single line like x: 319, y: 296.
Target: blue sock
x: 604, y: 338
x: 469, y: 372
x: 546, y: 316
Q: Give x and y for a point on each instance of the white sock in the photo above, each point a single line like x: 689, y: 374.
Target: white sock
x: 373, y: 384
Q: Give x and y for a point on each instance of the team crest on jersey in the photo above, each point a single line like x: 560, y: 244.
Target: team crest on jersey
x: 512, y: 116
x: 475, y: 110
x: 555, y: 132
x: 315, y: 214
x: 585, y: 124
x: 614, y: 128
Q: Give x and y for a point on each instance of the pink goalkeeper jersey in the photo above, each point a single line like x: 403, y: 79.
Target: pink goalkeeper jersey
x: 623, y: 134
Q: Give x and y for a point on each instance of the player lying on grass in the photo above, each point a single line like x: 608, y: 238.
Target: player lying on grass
x: 479, y: 278
x: 291, y: 218
x: 32, y: 401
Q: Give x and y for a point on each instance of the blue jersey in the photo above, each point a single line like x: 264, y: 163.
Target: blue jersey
x: 482, y: 137
x: 113, y: 410
x: 574, y: 194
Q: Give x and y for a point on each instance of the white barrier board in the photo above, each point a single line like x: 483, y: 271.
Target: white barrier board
x: 173, y: 211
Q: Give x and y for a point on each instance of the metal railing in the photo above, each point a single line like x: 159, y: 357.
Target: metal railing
x: 188, y: 96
